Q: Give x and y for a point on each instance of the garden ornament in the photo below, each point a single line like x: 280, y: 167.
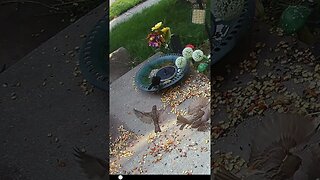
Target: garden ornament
x: 294, y: 18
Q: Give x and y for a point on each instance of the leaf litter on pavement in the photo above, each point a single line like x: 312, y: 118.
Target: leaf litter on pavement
x: 152, y: 148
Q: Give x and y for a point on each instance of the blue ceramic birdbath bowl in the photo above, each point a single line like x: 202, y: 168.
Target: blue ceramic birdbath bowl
x: 226, y: 34
x: 93, y: 56
x: 166, y: 73
x: 164, y: 67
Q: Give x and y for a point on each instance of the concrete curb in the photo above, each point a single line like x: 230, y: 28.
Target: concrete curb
x: 127, y: 15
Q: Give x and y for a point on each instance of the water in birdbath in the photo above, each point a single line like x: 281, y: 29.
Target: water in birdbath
x: 166, y: 73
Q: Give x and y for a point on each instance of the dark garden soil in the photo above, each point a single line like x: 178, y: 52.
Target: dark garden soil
x: 24, y: 26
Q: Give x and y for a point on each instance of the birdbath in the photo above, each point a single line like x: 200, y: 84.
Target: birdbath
x: 166, y: 73
x: 92, y: 58
x: 163, y: 67
x: 228, y: 29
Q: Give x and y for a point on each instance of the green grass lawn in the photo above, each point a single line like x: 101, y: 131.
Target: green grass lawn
x: 175, y: 14
x: 121, y: 6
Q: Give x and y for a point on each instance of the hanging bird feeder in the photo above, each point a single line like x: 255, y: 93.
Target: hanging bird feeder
x: 198, y: 13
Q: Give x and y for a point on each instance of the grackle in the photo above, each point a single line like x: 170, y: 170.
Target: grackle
x: 155, y: 81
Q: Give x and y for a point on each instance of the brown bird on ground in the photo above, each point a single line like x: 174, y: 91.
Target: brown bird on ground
x: 151, y: 117
x: 199, y: 113
x: 279, y: 149
x: 93, y: 167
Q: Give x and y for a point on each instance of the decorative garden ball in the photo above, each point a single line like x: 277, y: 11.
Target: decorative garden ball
x: 197, y: 55
x: 181, y: 62
x: 294, y: 18
x: 187, y: 52
x: 202, y: 67
x: 190, y: 46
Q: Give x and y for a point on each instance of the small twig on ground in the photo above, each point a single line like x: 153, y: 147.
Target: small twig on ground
x: 315, y: 113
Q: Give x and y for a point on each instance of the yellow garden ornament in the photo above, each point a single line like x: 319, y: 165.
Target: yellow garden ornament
x: 165, y: 30
x: 166, y: 33
x: 160, y: 36
x: 157, y: 26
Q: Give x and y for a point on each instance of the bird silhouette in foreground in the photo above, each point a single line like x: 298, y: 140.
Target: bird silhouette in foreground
x: 155, y: 82
x: 199, y: 112
x: 93, y: 167
x: 282, y: 149
x: 151, y: 117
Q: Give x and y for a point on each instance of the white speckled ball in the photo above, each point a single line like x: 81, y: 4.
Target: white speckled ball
x: 197, y: 55
x: 181, y: 62
x: 187, y: 52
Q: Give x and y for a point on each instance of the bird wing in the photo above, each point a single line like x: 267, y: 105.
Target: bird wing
x: 273, y: 141
x: 161, y: 114
x: 182, y: 120
x: 197, y: 124
x: 223, y: 174
x: 145, y: 117
x: 207, y: 113
x: 284, y: 130
x: 92, y: 166
x: 204, y: 126
x: 197, y: 104
x: 191, y: 118
x: 197, y: 116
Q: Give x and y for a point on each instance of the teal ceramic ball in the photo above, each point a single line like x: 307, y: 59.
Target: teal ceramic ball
x: 202, y: 67
x: 294, y: 18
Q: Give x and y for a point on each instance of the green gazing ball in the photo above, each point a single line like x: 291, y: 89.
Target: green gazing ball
x: 202, y: 67
x: 293, y: 18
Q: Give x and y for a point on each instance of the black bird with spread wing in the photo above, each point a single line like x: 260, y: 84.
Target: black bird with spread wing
x: 93, y: 167
x: 155, y: 82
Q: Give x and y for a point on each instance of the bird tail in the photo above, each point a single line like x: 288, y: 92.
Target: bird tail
x: 157, y: 127
x: 182, y: 121
x: 223, y: 174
